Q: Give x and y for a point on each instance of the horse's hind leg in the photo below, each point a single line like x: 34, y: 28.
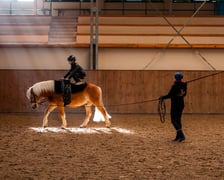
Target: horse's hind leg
x: 46, y: 114
x: 105, y: 115
x: 88, y: 115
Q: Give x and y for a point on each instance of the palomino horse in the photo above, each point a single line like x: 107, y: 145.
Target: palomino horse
x: 87, y: 95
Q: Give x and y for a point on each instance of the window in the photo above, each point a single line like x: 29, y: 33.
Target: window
x: 17, y: 0
x: 70, y: 0
x: 182, y: 1
x: 190, y: 1
x: 133, y: 0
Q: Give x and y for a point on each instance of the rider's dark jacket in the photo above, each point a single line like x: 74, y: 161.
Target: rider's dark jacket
x: 75, y: 72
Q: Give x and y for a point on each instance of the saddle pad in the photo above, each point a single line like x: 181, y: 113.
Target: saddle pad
x: 74, y: 87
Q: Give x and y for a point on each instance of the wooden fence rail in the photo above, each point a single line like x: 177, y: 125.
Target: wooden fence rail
x: 124, y: 91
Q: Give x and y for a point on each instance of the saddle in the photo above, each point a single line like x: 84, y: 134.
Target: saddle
x: 75, y: 88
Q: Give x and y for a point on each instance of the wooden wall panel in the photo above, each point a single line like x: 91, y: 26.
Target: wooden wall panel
x: 125, y: 91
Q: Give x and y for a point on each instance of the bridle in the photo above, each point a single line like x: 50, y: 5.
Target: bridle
x: 32, y: 97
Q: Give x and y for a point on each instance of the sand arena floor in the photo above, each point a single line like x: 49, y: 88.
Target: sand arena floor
x: 136, y: 147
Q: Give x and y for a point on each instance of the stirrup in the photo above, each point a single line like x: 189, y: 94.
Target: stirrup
x: 78, y: 83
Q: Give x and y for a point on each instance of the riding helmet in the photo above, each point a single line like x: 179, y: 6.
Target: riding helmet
x: 71, y: 58
x: 178, y: 76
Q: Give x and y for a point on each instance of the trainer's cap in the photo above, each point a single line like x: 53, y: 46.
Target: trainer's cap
x: 178, y: 76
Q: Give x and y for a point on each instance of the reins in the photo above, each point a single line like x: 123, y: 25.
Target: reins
x: 203, y: 77
x: 43, y: 101
x: 33, y: 96
x: 138, y: 102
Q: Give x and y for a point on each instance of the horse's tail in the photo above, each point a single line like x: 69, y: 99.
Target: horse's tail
x: 98, y: 117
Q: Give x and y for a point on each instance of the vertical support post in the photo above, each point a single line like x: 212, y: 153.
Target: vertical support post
x: 35, y: 7
x: 50, y: 13
x: 91, y: 35
x: 123, y: 7
x: 80, y: 7
x: 97, y: 34
x: 146, y: 2
x: 10, y: 8
x: 94, y: 35
x: 170, y: 10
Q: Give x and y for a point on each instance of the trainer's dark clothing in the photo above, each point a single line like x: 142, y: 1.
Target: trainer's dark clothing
x: 176, y: 94
x: 76, y: 72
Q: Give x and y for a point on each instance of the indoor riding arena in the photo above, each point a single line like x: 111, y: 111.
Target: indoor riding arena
x: 130, y: 52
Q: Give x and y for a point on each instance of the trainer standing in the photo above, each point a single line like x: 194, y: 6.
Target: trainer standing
x: 177, y: 93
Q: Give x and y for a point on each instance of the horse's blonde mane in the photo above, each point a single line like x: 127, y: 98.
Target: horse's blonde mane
x: 43, y: 86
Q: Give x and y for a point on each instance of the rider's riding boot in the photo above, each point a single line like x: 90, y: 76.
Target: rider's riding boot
x: 67, y: 93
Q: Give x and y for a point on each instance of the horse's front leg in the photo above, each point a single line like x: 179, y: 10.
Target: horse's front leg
x: 63, y: 117
x: 88, y: 115
x: 46, y: 114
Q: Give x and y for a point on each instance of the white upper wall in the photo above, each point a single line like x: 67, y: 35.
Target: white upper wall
x: 160, y: 59
x: 113, y: 58
x: 41, y: 58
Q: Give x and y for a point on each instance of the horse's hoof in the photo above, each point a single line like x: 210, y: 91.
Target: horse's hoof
x: 108, y: 124
x: 82, y: 126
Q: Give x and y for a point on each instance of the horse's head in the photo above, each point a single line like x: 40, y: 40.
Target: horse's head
x: 32, y: 98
